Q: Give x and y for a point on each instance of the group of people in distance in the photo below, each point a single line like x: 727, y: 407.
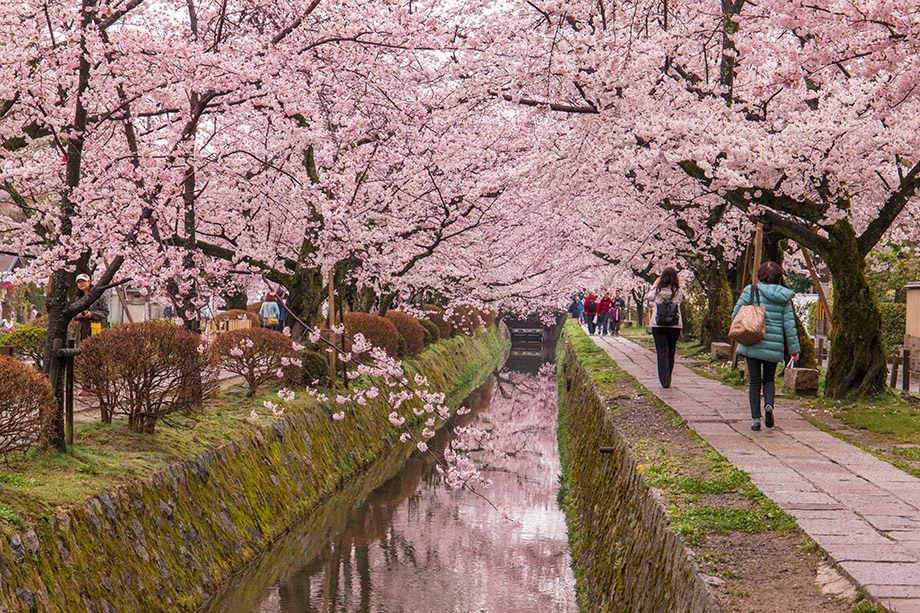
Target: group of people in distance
x: 604, y: 316
x: 762, y: 357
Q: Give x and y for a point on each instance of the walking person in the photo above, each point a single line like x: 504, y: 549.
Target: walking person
x: 270, y: 312
x: 779, y: 326
x: 603, y: 314
x: 616, y: 318
x: 576, y: 309
x: 591, y: 309
x: 666, y: 322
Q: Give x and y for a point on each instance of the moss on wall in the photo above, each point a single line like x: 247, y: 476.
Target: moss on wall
x: 167, y: 541
x: 624, y: 556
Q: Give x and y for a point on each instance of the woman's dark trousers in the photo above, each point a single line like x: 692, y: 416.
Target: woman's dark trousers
x: 589, y: 319
x: 602, y: 318
x: 761, y: 374
x: 665, y: 346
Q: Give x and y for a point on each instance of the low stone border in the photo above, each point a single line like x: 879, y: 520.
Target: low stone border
x: 625, y: 557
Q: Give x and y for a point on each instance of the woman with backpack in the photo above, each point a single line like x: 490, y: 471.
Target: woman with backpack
x: 666, y: 322
x: 591, y: 309
x: 779, y: 328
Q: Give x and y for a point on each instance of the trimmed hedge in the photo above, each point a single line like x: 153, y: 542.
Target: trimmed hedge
x: 435, y: 315
x: 378, y: 331
x: 146, y: 370
x: 257, y: 354
x: 410, y: 329
x: 26, y: 406
x: 432, y: 334
x: 27, y: 343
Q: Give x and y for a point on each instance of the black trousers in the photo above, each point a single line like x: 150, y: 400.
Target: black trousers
x: 665, y: 346
x: 762, y: 375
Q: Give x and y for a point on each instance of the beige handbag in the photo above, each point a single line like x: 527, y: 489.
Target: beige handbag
x: 749, y: 326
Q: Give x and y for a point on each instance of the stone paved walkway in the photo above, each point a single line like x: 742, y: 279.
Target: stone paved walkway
x: 863, y: 512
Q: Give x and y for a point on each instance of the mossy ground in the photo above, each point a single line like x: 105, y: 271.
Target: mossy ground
x: 737, y: 533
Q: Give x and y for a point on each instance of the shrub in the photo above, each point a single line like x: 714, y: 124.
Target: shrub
x: 40, y: 322
x: 435, y: 315
x: 432, y: 334
x: 465, y: 319
x: 378, y: 331
x: 894, y: 316
x: 27, y: 343
x: 256, y: 354
x: 146, y: 370
x: 315, y: 366
x: 410, y: 329
x: 238, y: 314
x: 26, y: 406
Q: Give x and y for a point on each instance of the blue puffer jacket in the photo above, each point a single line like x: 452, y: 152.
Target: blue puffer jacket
x: 780, y: 322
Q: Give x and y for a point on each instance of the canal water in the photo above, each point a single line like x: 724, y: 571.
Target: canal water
x: 398, y: 539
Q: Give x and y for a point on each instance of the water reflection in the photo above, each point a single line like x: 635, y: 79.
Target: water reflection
x: 415, y: 545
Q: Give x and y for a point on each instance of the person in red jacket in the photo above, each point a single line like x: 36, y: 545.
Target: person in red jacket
x: 591, y: 309
x: 603, y: 314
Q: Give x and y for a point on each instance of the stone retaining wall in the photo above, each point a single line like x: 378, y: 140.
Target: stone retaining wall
x: 164, y: 543
x: 624, y: 555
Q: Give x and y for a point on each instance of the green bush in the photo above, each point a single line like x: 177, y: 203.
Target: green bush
x: 27, y: 343
x: 894, y: 316
x: 432, y: 334
x: 315, y: 366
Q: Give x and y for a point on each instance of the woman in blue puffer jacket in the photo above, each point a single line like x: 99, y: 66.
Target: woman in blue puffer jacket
x: 762, y: 357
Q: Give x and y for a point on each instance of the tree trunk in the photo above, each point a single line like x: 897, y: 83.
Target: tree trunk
x: 719, y: 305
x: 857, y: 362
x: 57, y: 330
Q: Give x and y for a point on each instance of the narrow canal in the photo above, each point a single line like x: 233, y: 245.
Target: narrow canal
x: 398, y: 539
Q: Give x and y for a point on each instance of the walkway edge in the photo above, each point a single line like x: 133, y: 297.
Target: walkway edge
x: 626, y: 558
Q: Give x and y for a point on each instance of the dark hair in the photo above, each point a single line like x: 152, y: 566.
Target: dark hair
x: 770, y: 272
x: 669, y: 278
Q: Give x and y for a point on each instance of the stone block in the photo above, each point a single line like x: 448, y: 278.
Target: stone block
x: 722, y: 351
x: 801, y: 380
x: 628, y: 323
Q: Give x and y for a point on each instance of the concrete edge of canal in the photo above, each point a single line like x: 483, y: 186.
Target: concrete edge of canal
x: 625, y: 556
x: 167, y: 541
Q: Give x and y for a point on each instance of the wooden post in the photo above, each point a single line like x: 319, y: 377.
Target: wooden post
x: 905, y: 370
x: 893, y: 382
x: 758, y: 251
x: 817, y: 283
x: 819, y: 350
x: 68, y: 397
x: 332, y: 335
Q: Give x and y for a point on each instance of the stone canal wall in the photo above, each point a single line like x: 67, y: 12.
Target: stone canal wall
x: 164, y: 543
x: 625, y: 556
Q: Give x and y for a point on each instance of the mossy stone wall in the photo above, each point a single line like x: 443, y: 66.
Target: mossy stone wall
x: 624, y: 555
x: 164, y: 543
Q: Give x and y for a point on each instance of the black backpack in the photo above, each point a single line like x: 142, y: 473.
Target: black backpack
x: 591, y: 307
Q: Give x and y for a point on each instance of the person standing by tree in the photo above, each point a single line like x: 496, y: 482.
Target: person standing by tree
x: 591, y: 309
x: 666, y: 322
x: 779, y: 326
x: 95, y: 316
